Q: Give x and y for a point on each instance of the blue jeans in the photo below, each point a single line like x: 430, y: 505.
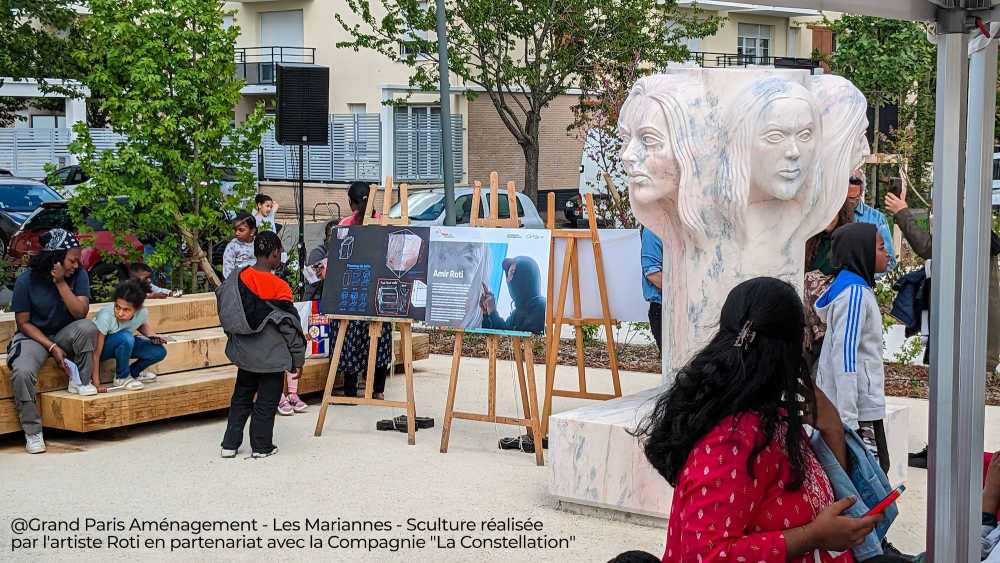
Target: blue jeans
x: 123, y: 346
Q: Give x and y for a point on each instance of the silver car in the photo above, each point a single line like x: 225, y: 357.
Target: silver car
x: 426, y: 208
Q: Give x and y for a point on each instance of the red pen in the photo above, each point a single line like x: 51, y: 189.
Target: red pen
x: 887, y: 501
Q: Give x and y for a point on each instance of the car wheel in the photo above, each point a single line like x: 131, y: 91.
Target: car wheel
x: 104, y: 278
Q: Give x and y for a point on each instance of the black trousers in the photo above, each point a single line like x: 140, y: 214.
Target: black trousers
x: 267, y: 387
x: 656, y: 323
x: 378, y: 386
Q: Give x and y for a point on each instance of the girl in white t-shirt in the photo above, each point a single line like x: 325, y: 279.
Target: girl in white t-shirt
x: 266, y: 213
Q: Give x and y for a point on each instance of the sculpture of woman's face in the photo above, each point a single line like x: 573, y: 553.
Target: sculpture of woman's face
x: 783, y: 149
x: 647, y: 157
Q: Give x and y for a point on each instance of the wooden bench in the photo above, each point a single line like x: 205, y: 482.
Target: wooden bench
x: 194, y: 377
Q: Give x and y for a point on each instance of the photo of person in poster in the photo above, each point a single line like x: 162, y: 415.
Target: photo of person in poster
x: 524, y: 284
x: 487, y: 279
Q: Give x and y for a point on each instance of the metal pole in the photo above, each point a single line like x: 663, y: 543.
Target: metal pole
x: 302, y: 225
x: 969, y: 415
x: 948, y: 451
x: 447, y: 159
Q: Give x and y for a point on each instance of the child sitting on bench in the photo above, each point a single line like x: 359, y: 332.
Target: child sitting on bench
x: 142, y: 273
x: 116, y: 325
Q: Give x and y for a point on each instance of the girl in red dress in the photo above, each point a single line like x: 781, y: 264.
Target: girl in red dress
x: 729, y: 437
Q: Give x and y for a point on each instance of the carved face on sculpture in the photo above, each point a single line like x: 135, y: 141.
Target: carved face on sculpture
x: 647, y: 155
x: 784, y: 149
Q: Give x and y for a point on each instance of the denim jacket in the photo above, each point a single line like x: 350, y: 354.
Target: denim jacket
x: 867, y: 482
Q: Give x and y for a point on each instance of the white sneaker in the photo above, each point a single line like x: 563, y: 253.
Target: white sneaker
x: 228, y: 453
x: 82, y: 390
x: 34, y: 443
x: 128, y: 383
x: 263, y: 454
x: 147, y: 376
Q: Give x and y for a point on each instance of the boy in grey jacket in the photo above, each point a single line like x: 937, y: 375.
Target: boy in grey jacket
x: 850, y: 369
x: 265, y: 340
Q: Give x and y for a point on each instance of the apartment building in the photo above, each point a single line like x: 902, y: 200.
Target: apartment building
x: 360, y: 83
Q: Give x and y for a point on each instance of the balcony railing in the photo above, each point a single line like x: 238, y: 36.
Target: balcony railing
x: 256, y: 64
x: 722, y: 60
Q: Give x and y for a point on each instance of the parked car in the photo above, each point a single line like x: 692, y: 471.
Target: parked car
x: 66, y: 178
x: 19, y: 197
x: 576, y: 211
x: 55, y: 214
x: 5, y: 172
x: 426, y: 208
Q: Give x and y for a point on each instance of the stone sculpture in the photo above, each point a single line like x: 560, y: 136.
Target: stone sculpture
x: 734, y: 169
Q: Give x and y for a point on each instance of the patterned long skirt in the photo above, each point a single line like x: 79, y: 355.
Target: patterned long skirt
x: 354, y: 357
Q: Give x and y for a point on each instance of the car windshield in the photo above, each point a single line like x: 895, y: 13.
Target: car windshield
x: 422, y: 206
x: 25, y: 197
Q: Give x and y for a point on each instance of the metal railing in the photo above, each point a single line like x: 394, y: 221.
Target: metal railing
x: 256, y: 64
x: 723, y: 60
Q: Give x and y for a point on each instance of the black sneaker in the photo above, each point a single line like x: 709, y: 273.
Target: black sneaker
x: 893, y: 554
x: 919, y: 459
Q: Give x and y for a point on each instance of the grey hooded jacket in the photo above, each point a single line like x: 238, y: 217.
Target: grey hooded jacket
x: 274, y: 345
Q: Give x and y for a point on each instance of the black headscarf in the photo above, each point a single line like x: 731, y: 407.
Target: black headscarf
x: 854, y: 249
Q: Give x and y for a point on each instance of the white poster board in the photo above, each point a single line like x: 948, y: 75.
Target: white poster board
x: 620, y: 250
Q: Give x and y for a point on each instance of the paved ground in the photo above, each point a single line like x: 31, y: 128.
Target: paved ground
x: 172, y: 470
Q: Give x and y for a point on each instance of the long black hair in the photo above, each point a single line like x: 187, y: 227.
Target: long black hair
x: 358, y: 193
x: 764, y: 376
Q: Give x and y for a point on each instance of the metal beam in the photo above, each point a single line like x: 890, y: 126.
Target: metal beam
x: 945, y: 499
x: 916, y: 10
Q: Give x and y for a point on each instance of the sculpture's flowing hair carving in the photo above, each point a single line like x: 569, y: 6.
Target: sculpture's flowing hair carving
x: 733, y: 186
x: 679, y: 135
x: 845, y: 121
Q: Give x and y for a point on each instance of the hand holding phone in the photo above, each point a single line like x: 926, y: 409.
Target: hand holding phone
x: 889, y: 499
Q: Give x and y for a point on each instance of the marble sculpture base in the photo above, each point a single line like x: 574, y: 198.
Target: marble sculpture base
x: 595, y: 462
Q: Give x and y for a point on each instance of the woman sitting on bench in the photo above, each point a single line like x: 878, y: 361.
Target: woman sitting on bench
x: 50, y: 305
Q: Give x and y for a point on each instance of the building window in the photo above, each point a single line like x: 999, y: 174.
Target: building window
x: 357, y: 108
x: 407, y: 47
x: 227, y: 21
x: 48, y: 122
x: 754, y: 42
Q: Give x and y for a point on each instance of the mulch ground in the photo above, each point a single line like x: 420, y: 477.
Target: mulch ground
x: 900, y: 380
x: 630, y: 356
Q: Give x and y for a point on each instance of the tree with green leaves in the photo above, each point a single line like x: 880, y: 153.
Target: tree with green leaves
x: 524, y: 54
x: 884, y: 58
x: 37, y: 38
x: 167, y: 69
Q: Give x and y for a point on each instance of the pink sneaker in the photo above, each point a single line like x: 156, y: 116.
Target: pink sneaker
x: 298, y: 405
x: 284, y: 408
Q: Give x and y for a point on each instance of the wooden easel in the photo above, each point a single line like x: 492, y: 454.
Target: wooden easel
x: 523, y: 355
x: 374, y: 332
x: 554, y: 323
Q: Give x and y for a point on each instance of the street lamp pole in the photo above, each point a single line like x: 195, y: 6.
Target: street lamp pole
x: 446, y: 158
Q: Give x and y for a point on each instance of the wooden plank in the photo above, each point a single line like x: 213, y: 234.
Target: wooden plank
x: 191, y: 350
x: 189, y: 312
x: 8, y: 417
x: 173, y: 395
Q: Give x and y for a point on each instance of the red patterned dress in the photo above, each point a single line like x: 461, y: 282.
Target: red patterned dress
x: 721, y: 513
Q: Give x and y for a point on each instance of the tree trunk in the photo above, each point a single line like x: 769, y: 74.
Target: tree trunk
x: 875, y: 138
x: 532, y: 123
x: 531, y: 171
x: 198, y: 255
